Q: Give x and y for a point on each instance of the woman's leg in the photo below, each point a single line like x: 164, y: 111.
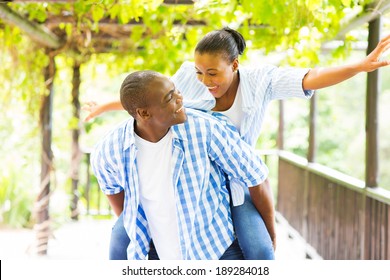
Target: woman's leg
x: 234, y: 252
x: 152, y: 252
x: 251, y: 231
x: 119, y: 241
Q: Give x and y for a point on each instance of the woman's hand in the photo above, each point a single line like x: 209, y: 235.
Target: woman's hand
x: 93, y: 108
x: 322, y: 77
x: 375, y: 60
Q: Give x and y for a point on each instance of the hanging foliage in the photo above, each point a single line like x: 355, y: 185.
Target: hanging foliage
x: 125, y: 35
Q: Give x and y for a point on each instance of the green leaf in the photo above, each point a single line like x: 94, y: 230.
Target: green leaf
x: 346, y: 3
x: 97, y: 12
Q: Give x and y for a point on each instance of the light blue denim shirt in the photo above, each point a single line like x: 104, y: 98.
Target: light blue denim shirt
x: 258, y: 86
x: 204, y: 151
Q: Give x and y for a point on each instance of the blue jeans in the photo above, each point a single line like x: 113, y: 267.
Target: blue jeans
x: 119, y: 241
x: 232, y: 253
x: 251, y: 232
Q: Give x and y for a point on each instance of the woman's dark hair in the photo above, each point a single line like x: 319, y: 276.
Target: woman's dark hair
x: 226, y: 41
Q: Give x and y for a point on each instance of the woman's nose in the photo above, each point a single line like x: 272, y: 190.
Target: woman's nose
x: 205, y: 79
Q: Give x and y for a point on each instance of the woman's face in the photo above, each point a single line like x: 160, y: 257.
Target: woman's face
x: 215, y: 72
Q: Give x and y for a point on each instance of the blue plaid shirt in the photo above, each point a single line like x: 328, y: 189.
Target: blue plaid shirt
x: 204, y: 149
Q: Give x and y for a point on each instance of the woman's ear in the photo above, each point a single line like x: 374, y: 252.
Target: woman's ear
x: 235, y: 64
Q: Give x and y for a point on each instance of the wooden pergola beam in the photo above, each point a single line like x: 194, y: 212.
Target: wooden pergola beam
x: 36, y: 32
x: 167, y: 2
x: 375, y: 11
x: 109, y: 23
x: 41, y: 1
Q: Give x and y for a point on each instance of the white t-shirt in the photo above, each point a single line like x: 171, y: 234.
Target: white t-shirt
x: 235, y: 112
x: 157, y: 195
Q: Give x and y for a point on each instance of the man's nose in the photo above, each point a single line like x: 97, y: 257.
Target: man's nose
x: 179, y: 97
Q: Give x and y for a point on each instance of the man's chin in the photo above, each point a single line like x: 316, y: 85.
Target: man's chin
x: 181, y: 119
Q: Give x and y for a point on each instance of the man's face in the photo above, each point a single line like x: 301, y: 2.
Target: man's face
x: 165, y: 103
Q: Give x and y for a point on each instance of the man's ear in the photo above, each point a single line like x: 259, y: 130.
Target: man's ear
x: 142, y: 113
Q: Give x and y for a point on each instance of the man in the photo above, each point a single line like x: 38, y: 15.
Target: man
x: 167, y: 169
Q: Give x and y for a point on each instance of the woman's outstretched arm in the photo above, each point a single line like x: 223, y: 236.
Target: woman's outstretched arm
x: 322, y: 77
x: 95, y: 110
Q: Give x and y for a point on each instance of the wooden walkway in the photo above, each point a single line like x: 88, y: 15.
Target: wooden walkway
x: 88, y: 239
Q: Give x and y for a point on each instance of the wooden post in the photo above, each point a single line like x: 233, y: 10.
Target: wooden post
x: 88, y: 183
x: 76, y: 152
x: 42, y: 226
x: 311, y: 154
x: 280, y: 140
x: 372, y: 143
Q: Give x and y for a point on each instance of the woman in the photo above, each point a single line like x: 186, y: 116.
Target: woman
x: 216, y: 83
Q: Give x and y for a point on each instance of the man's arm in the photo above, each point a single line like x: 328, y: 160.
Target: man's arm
x: 108, y: 170
x: 116, y: 201
x: 262, y: 199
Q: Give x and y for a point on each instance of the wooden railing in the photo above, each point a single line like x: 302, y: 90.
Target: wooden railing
x: 96, y: 202
x: 339, y: 216
x: 336, y: 214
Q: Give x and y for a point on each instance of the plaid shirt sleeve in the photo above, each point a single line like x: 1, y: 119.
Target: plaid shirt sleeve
x: 107, y: 164
x: 237, y: 159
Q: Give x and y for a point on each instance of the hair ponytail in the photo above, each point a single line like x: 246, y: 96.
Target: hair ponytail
x: 230, y: 43
x: 240, y: 41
